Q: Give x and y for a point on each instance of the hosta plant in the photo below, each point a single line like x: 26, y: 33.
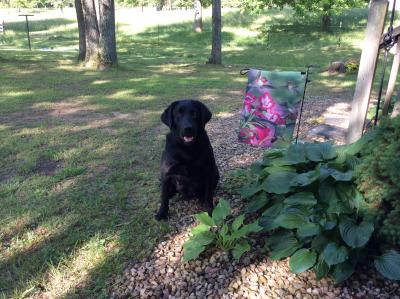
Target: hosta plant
x: 307, y: 199
x: 215, y: 231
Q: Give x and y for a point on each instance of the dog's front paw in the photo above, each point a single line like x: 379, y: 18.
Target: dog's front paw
x: 161, y: 215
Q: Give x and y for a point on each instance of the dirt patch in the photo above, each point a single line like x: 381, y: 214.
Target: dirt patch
x: 47, y: 167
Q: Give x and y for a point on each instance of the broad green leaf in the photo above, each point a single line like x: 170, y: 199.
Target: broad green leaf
x: 302, y: 260
x: 257, y: 202
x: 246, y: 229
x: 355, y: 235
x: 328, y: 152
x: 282, y: 245
x: 274, y: 153
x: 330, y: 224
x: 200, y: 228
x: 267, y: 220
x: 319, y: 243
x: 278, y: 182
x: 204, y: 218
x: 321, y: 269
x: 239, y: 249
x: 308, y: 230
x: 305, y: 178
x: 202, y: 239
x: 313, y: 152
x: 295, y: 154
x: 388, y: 264
x: 238, y: 222
x: 192, y: 252
x: 342, y: 176
x: 301, y: 198
x: 224, y: 231
x: 251, y: 190
x: 342, y: 271
x: 271, y: 169
x: 221, y: 211
x: 334, y: 254
x: 290, y: 220
x: 327, y: 193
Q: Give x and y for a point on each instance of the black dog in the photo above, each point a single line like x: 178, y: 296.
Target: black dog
x: 187, y: 164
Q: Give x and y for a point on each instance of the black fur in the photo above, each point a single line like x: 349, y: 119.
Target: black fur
x: 187, y: 164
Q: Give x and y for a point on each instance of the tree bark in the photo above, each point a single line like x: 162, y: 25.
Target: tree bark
x: 396, y: 108
x: 108, y: 48
x: 216, y: 55
x: 81, y: 29
x: 198, y: 16
x: 91, y: 32
x: 326, y: 23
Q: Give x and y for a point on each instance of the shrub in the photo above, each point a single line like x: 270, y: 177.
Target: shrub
x: 215, y: 231
x: 378, y: 178
x: 307, y: 199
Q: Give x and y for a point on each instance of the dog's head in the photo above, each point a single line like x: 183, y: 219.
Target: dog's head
x: 186, y: 119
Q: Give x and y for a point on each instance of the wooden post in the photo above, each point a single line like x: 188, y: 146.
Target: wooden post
x: 27, y: 29
x: 392, y: 79
x: 366, y: 72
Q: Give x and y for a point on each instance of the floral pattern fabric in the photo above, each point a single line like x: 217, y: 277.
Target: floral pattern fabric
x: 270, y: 107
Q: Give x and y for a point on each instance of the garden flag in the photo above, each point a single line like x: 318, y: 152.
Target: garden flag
x: 270, y: 107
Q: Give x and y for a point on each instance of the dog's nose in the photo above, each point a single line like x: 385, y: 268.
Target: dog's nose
x: 188, y: 131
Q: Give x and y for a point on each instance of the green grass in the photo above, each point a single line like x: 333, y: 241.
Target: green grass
x: 80, y: 149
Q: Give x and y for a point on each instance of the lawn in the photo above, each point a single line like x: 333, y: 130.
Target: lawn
x: 80, y: 149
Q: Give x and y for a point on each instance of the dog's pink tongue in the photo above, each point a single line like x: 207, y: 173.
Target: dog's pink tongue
x: 188, y: 139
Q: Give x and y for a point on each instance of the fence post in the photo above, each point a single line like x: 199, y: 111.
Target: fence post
x: 366, y: 72
x: 392, y: 79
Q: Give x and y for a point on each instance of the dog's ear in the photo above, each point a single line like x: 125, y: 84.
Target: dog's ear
x: 204, y: 112
x: 167, y: 116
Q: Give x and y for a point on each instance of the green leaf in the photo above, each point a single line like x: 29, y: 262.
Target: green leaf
x: 200, y: 228
x: 239, y: 249
x: 301, y: 198
x: 221, y: 211
x: 251, y: 190
x: 318, y: 152
x: 313, y: 152
x: 238, y: 222
x: 267, y: 220
x: 342, y: 176
x: 257, y: 202
x: 334, y: 254
x: 204, y: 218
x: 295, y: 154
x: 202, y: 239
x: 246, y: 229
x: 305, y: 178
x: 290, y: 220
x: 302, y: 260
x: 277, y: 182
x: 342, y: 271
x: 388, y: 264
x: 282, y: 245
x: 271, y: 169
x: 327, y: 193
x: 321, y: 269
x: 355, y: 235
x: 308, y: 230
x: 319, y: 242
x: 274, y: 153
x: 192, y: 252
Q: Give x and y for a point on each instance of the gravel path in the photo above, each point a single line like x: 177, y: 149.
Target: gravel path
x: 164, y: 275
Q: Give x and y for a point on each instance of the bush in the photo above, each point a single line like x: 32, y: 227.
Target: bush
x: 308, y: 201
x: 378, y: 178
x: 214, y: 231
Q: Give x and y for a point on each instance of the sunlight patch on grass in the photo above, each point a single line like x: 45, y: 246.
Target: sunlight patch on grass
x: 74, y: 270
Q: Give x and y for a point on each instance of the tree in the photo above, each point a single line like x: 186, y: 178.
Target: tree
x: 325, y: 8
x: 97, y: 42
x: 216, y: 55
x: 198, y: 16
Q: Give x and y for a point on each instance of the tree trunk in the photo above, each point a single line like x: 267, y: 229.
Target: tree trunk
x: 91, y: 32
x: 396, y: 108
x: 216, y: 55
x: 198, y: 16
x: 326, y: 23
x: 81, y: 29
x: 108, y: 48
